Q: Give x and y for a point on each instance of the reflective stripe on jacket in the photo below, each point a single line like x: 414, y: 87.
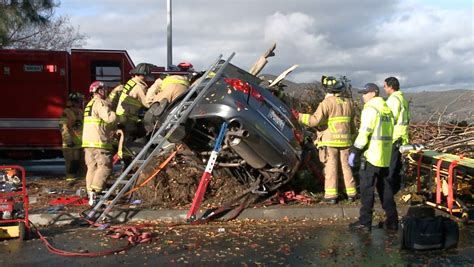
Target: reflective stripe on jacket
x: 132, y: 98
x: 175, y: 79
x: 172, y: 87
x: 401, y: 114
x: 98, y: 124
x: 375, y: 133
x: 334, y: 119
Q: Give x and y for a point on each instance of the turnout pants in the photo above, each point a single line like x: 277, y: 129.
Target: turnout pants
x: 394, y: 175
x: 72, y: 159
x: 375, y: 177
x: 99, y: 168
x: 334, y: 158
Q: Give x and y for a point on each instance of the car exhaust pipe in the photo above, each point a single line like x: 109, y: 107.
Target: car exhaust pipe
x: 282, y: 169
x: 247, y: 153
x: 239, y: 133
x: 237, y: 164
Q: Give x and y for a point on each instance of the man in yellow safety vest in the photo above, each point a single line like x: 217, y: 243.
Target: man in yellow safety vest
x: 374, y: 142
x: 401, y: 113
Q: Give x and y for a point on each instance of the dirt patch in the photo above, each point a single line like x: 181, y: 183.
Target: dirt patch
x: 42, y: 191
x: 176, y: 185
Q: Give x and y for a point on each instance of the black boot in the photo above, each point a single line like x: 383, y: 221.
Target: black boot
x: 360, y: 227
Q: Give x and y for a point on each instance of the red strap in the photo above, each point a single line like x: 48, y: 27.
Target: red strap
x: 287, y: 197
x: 418, y: 172
x: 76, y: 201
x: 438, y: 181
x: 450, y: 186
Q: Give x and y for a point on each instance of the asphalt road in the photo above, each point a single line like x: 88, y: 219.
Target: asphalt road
x: 45, y: 168
x: 247, y: 243
x: 39, y: 168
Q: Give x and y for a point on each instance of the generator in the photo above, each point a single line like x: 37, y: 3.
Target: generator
x: 14, y: 221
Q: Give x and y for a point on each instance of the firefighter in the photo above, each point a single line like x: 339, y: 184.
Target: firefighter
x: 99, y: 122
x: 401, y: 113
x: 334, y: 119
x: 70, y: 125
x: 154, y: 89
x: 174, y: 85
x: 133, y: 98
x: 374, y: 142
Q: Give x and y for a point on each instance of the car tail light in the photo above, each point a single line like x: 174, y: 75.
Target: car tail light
x: 298, y: 136
x: 244, y: 87
x: 50, y: 68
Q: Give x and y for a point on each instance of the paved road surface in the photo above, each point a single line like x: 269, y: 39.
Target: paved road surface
x: 251, y: 243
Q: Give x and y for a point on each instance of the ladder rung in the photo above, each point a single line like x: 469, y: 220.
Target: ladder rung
x: 123, y: 182
x: 140, y: 161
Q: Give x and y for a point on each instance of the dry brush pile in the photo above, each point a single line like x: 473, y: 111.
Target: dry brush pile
x: 454, y: 138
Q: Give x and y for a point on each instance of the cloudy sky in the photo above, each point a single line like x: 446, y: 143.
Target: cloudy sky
x: 425, y: 43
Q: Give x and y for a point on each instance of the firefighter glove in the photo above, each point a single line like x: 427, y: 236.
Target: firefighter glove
x: 354, y: 156
x: 352, y: 159
x: 295, y: 113
x: 70, y: 144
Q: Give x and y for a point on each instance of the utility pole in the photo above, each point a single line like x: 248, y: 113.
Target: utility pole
x: 170, y: 36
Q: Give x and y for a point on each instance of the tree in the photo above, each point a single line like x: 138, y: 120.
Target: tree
x: 31, y: 24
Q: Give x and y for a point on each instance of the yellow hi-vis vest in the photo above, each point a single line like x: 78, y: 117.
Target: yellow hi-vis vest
x: 127, y: 99
x: 92, y: 123
x: 401, y: 114
x: 375, y: 133
x: 170, y: 80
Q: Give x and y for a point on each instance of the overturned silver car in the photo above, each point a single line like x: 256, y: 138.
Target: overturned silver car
x: 263, y: 140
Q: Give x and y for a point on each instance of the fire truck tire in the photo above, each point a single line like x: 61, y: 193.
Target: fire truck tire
x: 22, y: 230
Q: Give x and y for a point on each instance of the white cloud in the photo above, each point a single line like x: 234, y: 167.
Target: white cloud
x: 366, y: 40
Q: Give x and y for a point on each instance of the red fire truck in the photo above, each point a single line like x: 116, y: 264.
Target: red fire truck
x: 34, y: 89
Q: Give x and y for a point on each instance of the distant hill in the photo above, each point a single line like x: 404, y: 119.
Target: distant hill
x: 452, y: 105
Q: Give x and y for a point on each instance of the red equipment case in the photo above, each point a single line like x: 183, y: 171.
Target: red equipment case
x: 14, y: 203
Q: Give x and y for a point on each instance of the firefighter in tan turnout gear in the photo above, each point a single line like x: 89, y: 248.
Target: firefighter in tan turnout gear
x: 70, y: 125
x: 132, y: 100
x: 167, y: 90
x: 99, y: 122
x: 334, y: 120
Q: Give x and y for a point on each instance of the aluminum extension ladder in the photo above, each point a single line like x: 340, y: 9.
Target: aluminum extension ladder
x: 174, y: 119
